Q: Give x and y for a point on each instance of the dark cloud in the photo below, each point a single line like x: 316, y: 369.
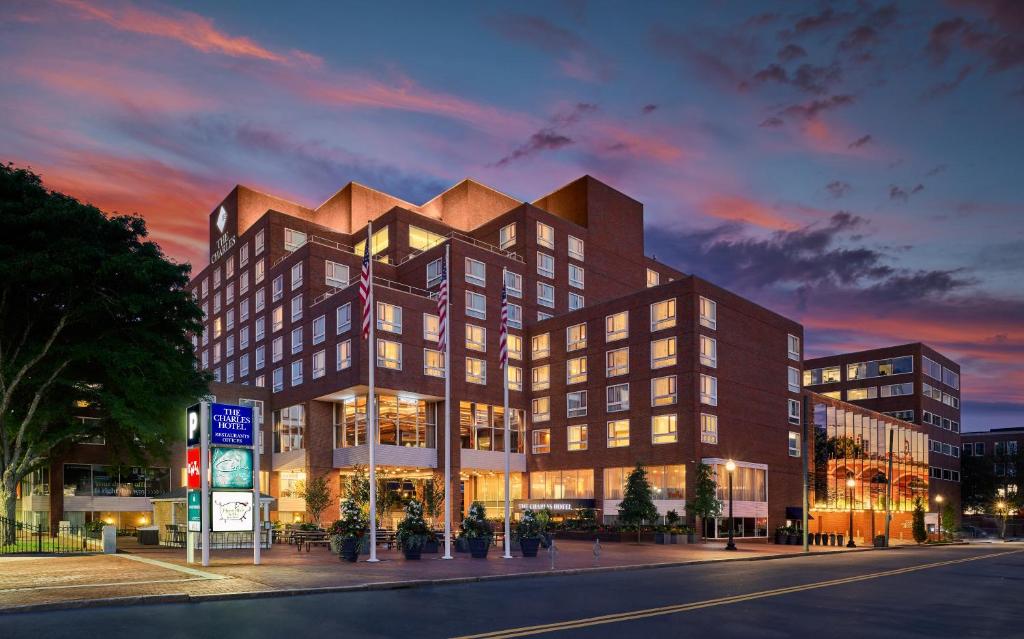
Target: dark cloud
x: 550, y: 138
x: 859, y: 38
x: 837, y: 188
x: 578, y: 58
x: 811, y: 110
x: 724, y: 59
x: 935, y: 170
x: 917, y: 189
x: 772, y: 72
x: 772, y: 123
x: 896, y: 193
x: 944, y: 88
x: 998, y: 36
x: 649, y: 108
x: 942, y: 37
x: 791, y: 52
x: 825, y: 19
x: 807, y: 77
x: 861, y: 141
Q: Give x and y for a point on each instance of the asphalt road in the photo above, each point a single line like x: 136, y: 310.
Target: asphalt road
x: 953, y: 591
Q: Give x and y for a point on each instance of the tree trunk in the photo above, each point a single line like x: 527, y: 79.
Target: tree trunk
x: 9, y: 497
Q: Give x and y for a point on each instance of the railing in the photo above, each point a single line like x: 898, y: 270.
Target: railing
x: 466, y: 239
x: 377, y: 281
x: 17, y: 538
x: 175, y: 536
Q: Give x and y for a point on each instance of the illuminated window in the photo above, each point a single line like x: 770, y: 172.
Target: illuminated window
x: 476, y: 371
x: 545, y: 235
x: 541, y: 377
x: 515, y: 346
x: 616, y: 362
x: 577, y: 437
x: 343, y: 355
x: 794, y: 444
x: 616, y: 326
x: 653, y: 278
x: 540, y: 345
x: 575, y: 248
x: 540, y: 409
x: 431, y: 327
x: 708, y: 313
x: 663, y: 429
x: 618, y: 433
x: 708, y: 428
x: 433, y: 363
x: 663, y: 352
x: 381, y: 241
x: 515, y: 378
x: 576, y: 370
x: 576, y: 337
x: 708, y: 351
x: 422, y: 239
x: 541, y: 441
x: 476, y: 338
x: 389, y: 354
x: 663, y: 391
x: 663, y: 315
x: 389, y: 318
x: 507, y: 236
x: 708, y: 390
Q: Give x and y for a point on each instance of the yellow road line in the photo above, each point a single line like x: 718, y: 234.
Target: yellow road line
x: 721, y: 601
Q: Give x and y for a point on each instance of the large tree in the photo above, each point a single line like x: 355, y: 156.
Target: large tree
x: 706, y: 504
x: 93, y: 321
x: 637, y: 505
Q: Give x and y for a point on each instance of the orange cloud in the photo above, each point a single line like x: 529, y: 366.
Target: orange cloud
x: 742, y: 209
x: 617, y: 137
x: 190, y: 29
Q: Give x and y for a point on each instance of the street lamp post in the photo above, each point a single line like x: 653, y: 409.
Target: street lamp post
x: 1001, y: 507
x: 730, y: 467
x: 938, y: 519
x: 850, y: 483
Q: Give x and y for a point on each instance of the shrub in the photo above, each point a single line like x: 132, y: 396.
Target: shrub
x: 353, y: 523
x: 920, y: 533
x: 529, y: 526
x: 475, y: 525
x: 412, y: 530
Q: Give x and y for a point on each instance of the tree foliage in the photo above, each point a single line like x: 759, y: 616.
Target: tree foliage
x: 93, y: 320
x: 706, y: 504
x: 637, y: 506
x: 919, y: 530
x: 317, y: 493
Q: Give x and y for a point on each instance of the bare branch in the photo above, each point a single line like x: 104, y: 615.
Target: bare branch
x: 5, y: 400
x: 30, y: 413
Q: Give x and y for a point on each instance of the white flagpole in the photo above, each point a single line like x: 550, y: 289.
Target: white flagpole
x: 371, y: 409
x: 447, y: 412
x: 508, y: 453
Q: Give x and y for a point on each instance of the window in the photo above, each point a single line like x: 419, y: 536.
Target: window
x: 708, y: 313
x: 230, y: 372
x: 278, y: 380
x: 261, y: 357
x: 708, y: 390
x: 618, y: 398
x: 259, y: 272
x: 389, y: 354
x: 343, y: 318
x: 576, y: 276
x: 216, y: 302
x: 794, y: 444
x: 476, y: 272
x: 259, y: 241
x: 380, y: 242
x: 243, y: 310
x: 562, y: 484
x: 576, y: 301
x: 277, y: 349
x: 319, y: 364
x: 335, y: 275
x: 545, y: 235
x: 277, y: 288
x: 319, y: 329
x: 243, y: 338
x: 951, y: 378
x: 880, y: 368
x: 708, y: 428
x: 576, y: 248
x: 293, y: 239
x: 206, y: 286
x: 296, y: 340
x: 540, y: 345
x: 476, y: 371
x: 896, y: 390
x: 343, y: 355
x: 576, y: 370
x: 825, y: 375
x: 229, y: 293
x: 576, y: 337
x: 794, y: 379
x: 663, y: 391
x: 515, y: 316
x: 576, y: 404
x: 616, y: 326
x: 794, y: 411
x: 431, y: 327
x: 545, y: 265
x: 476, y: 338
x: 216, y: 277
x: 653, y: 278
x: 577, y: 437
x: 389, y: 318
x: 618, y: 433
x: 296, y: 372
x: 540, y: 441
x: 663, y: 352
x: 541, y: 377
x: 709, y: 351
x: 434, y: 272
x: 541, y: 316
x: 218, y: 328
x: 296, y: 276
x: 243, y: 255
x: 931, y: 368
x: 297, y: 308
x: 663, y: 429
x: 261, y: 299
x: 421, y: 239
x: 515, y: 346
x: 513, y: 284
x: 229, y: 345
x: 545, y: 295
x: 616, y: 362
x: 794, y: 347
x: 507, y: 237
x: 476, y: 305
x: 979, y: 449
x: 243, y: 365
x: 663, y: 315
x: 855, y: 394
x: 541, y: 409
x: 515, y: 378
x: 243, y: 283
x: 433, y: 363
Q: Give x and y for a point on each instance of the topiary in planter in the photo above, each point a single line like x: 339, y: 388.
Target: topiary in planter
x: 348, y: 532
x: 528, y: 530
x: 413, y: 531
x: 477, y: 531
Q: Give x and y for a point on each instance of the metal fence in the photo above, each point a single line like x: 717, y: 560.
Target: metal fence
x: 175, y: 536
x: 20, y: 538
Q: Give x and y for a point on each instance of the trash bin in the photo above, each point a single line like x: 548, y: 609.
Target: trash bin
x: 149, y: 536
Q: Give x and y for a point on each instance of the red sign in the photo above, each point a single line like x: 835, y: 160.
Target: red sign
x: 192, y: 464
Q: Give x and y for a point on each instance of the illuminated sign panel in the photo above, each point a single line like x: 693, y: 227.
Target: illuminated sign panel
x: 192, y: 463
x: 232, y: 511
x: 231, y: 425
x: 232, y: 468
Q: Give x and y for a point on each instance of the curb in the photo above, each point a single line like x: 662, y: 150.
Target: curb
x: 141, y: 600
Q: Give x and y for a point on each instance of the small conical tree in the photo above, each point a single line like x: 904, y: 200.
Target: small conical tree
x: 637, y: 505
x: 706, y: 504
x: 920, y: 533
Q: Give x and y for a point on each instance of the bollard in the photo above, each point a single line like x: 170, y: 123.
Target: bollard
x: 109, y: 540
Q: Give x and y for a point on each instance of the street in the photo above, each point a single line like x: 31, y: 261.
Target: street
x: 912, y: 592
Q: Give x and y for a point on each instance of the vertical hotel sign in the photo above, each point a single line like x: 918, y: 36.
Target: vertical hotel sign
x: 193, y: 466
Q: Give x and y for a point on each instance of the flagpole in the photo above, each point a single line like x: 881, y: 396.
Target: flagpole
x: 447, y: 416
x: 371, y: 408
x: 508, y: 453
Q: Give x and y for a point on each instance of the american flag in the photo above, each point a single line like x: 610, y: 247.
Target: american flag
x: 503, y: 331
x: 442, y: 309
x: 364, y: 290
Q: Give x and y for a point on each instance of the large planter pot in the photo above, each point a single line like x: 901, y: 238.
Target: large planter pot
x: 780, y: 537
x: 691, y: 538
x: 478, y: 547
x: 461, y: 544
x: 431, y: 545
x: 349, y: 549
x: 839, y: 540
x: 795, y: 539
x: 413, y: 552
x: 529, y: 546
x: 880, y: 541
x: 831, y: 539
x: 662, y: 538
x: 787, y: 539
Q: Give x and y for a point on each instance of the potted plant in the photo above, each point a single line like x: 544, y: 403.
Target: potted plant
x: 780, y: 535
x: 544, y: 519
x: 662, y: 535
x: 672, y: 521
x: 413, y: 531
x: 691, y: 534
x: 795, y: 536
x: 348, y: 532
x: 477, y: 531
x: 528, y: 530
x: 879, y: 541
x: 433, y: 504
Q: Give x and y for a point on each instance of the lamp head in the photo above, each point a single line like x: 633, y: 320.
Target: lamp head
x: 730, y: 466
x: 850, y: 482
x: 938, y: 498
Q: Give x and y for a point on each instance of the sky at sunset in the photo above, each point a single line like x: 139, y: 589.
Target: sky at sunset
x: 856, y: 166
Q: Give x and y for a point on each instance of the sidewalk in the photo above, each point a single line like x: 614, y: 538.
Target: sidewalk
x: 140, y: 574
